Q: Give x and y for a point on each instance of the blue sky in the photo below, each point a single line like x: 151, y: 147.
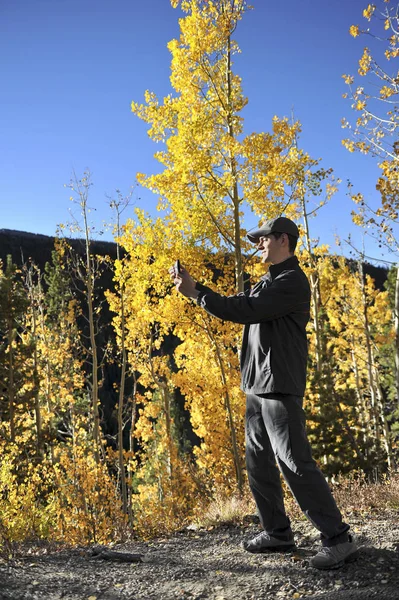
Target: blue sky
x: 70, y: 69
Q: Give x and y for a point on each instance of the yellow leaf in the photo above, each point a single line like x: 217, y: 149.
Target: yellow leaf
x: 386, y: 91
x: 364, y: 62
x: 354, y: 30
x: 348, y: 79
x: 368, y: 12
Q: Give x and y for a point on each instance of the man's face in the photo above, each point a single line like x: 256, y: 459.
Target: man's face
x: 269, y: 247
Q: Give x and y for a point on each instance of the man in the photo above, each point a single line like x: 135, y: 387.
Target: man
x: 273, y: 376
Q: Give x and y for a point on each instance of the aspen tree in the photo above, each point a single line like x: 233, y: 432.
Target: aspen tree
x: 211, y: 172
x: 157, y: 482
x: 315, y: 187
x: 86, y: 270
x: 387, y: 354
x: 119, y: 205
x: 62, y: 378
x: 328, y: 402
x: 359, y: 314
x: 374, y: 380
x: 14, y: 349
x: 375, y: 130
x: 33, y: 286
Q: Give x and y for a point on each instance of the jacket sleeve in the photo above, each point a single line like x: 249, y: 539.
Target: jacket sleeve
x: 285, y: 295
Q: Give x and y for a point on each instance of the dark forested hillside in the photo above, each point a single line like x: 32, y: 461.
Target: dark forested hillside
x: 22, y: 245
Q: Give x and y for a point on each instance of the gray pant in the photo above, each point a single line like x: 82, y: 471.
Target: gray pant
x: 275, y: 432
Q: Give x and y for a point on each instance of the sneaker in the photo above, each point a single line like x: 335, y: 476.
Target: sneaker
x: 263, y: 542
x: 334, y: 557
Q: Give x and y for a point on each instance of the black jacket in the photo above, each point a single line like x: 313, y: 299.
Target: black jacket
x: 274, y: 313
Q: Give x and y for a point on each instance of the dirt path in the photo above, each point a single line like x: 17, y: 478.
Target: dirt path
x: 211, y: 565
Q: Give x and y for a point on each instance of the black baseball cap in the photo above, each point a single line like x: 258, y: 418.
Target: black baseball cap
x: 278, y: 225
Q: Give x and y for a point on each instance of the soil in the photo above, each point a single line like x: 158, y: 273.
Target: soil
x: 210, y: 564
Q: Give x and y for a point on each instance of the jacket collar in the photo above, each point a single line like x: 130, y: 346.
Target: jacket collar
x: 288, y: 264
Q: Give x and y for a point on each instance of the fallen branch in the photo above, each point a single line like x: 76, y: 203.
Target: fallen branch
x: 106, y: 554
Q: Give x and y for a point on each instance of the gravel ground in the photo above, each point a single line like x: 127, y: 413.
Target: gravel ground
x: 198, y: 564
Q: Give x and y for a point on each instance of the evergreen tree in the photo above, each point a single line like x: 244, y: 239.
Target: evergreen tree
x: 15, y: 351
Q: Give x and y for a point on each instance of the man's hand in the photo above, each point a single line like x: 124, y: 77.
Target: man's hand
x: 184, y: 283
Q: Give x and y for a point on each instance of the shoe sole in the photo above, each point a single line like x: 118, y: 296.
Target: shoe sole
x: 351, y: 558
x: 271, y: 549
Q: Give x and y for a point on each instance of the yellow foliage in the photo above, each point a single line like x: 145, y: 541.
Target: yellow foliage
x: 360, y: 105
x: 387, y: 92
x: 69, y: 499
x: 354, y: 31
x: 357, y: 198
x: 348, y: 79
x: 369, y: 11
x: 165, y: 503
x: 375, y: 131
x: 349, y: 144
x: 392, y: 53
x: 365, y: 62
x: 85, y: 503
x: 24, y: 513
x: 358, y: 219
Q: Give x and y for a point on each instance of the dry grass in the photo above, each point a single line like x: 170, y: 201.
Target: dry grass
x: 355, y: 495
x: 225, y: 509
x: 352, y: 494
